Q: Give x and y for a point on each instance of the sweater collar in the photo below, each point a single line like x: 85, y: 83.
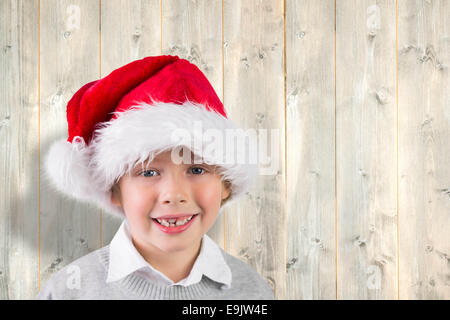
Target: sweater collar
x: 124, y: 259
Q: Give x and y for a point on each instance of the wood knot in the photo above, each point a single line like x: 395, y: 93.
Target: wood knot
x: 244, y: 61
x: 260, y: 117
x: 359, y: 242
x: 382, y: 96
x: 5, y: 122
x: 291, y: 263
x: 7, y: 48
x: 362, y: 173
x: 432, y: 282
x: 301, y: 34
x: 136, y: 35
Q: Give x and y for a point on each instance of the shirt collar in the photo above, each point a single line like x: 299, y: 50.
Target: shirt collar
x: 124, y: 259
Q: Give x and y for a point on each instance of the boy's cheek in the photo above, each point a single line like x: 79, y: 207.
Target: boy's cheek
x: 137, y: 196
x: 209, y: 196
x: 139, y: 207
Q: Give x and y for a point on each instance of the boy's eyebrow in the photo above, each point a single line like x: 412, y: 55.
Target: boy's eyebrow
x: 158, y: 161
x: 182, y: 163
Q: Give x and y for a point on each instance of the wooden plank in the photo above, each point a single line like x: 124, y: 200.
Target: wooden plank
x: 366, y: 150
x: 192, y: 30
x: 424, y: 146
x: 255, y: 99
x: 19, y: 139
x: 69, y: 59
x: 131, y: 30
x: 310, y: 227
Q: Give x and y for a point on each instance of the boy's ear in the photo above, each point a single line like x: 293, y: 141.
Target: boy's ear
x: 115, y: 195
x: 226, y: 192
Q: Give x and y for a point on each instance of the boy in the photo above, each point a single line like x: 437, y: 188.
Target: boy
x: 129, y: 163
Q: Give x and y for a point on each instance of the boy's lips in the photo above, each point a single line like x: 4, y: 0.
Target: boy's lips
x: 175, y: 229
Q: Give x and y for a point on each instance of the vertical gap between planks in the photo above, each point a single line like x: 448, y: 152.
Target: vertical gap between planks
x: 396, y: 108
x: 335, y: 164
x: 161, y: 6
x: 285, y: 144
x: 39, y: 145
x: 335, y: 151
x: 223, y: 100
x: 100, y: 76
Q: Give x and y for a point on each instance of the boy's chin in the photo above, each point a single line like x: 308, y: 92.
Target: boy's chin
x: 173, y: 247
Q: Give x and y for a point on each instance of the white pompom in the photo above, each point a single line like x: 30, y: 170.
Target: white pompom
x: 66, y: 168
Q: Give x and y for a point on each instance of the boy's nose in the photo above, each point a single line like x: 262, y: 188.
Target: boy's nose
x: 174, y: 198
x: 174, y: 191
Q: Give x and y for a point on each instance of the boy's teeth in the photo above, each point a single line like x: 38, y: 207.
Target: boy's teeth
x: 174, y: 222
x: 164, y: 223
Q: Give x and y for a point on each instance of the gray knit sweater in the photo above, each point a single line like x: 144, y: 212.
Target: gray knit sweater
x: 92, y: 268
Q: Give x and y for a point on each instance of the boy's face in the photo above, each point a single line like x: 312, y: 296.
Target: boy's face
x: 163, y: 188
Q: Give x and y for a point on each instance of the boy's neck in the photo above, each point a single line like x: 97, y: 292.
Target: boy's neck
x: 176, y: 266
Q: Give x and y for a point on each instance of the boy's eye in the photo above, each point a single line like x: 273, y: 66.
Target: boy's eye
x: 197, y: 171
x: 145, y: 173
x: 194, y: 170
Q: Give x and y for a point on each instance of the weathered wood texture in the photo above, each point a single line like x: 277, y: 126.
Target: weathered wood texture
x: 19, y: 140
x: 424, y: 149
x: 254, y: 98
x: 366, y: 150
x: 310, y: 227
x: 358, y: 205
x: 69, y: 58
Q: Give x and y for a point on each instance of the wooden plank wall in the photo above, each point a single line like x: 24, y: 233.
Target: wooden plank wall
x: 359, y: 90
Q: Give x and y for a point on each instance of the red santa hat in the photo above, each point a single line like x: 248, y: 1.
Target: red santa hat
x: 129, y: 116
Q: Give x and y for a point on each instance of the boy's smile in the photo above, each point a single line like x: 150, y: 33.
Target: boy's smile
x: 169, y: 206
x: 175, y: 223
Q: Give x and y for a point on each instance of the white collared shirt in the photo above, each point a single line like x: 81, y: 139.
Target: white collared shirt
x: 125, y: 259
